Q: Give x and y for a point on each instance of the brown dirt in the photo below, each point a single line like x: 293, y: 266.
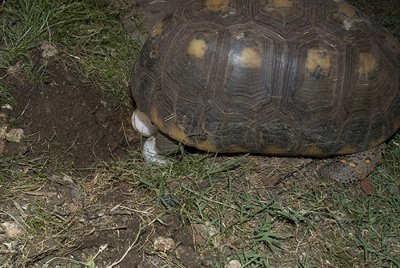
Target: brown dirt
x: 69, y: 124
x: 67, y: 120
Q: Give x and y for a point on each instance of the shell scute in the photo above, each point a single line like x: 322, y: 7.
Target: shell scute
x: 282, y: 77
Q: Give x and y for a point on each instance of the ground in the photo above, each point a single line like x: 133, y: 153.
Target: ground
x: 75, y: 191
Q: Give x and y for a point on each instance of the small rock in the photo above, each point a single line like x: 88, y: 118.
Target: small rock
x: 15, y: 135
x: 3, y: 132
x: 233, y: 264
x: 48, y: 50
x: 6, y: 107
x: 367, y: 187
x: 164, y: 244
x: 67, y: 178
x: 202, y: 232
x: 12, y: 229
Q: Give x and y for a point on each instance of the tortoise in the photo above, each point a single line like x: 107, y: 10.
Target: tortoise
x: 304, y: 78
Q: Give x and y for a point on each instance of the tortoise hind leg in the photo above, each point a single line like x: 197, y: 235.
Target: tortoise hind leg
x: 157, y: 144
x: 349, y: 169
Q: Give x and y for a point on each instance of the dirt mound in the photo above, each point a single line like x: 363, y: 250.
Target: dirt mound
x: 68, y: 120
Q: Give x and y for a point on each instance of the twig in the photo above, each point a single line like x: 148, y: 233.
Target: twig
x: 64, y: 259
x: 131, y: 209
x: 125, y: 135
x: 72, y: 145
x: 122, y: 227
x: 7, y: 251
x: 140, y: 231
x: 101, y: 249
x: 24, y: 110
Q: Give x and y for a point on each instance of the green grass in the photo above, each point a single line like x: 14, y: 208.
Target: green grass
x: 303, y: 222
x: 5, y: 97
x: 308, y: 222
x: 87, y: 36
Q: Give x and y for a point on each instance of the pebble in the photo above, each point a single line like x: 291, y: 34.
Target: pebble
x: 367, y: 187
x: 163, y: 244
x: 3, y: 132
x: 233, y: 264
x: 15, y: 135
x: 202, y: 232
x: 12, y: 229
x: 48, y: 50
x: 6, y: 107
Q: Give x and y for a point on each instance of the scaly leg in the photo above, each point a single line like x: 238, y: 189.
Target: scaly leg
x: 349, y: 169
x: 156, y: 145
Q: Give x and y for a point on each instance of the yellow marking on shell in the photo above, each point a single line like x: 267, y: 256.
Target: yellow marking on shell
x: 249, y: 58
x: 317, y: 58
x: 347, y: 150
x: 376, y: 142
x: 237, y: 149
x: 197, y: 48
x: 155, y: 118
x: 343, y: 161
x: 207, y: 146
x: 157, y: 29
x: 352, y: 165
x: 217, y: 5
x: 281, y: 3
x: 367, y: 63
x: 367, y: 161
x: 313, y: 151
x: 177, y: 134
x: 275, y: 150
x: 347, y: 10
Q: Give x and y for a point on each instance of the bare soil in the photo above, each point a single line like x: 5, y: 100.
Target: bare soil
x: 71, y: 126
x: 67, y: 120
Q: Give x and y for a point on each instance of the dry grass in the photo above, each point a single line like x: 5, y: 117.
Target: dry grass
x: 230, y: 203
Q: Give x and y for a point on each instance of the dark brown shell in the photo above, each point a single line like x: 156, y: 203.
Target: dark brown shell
x: 280, y: 77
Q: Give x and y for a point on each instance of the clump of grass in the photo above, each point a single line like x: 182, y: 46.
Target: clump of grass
x: 266, y: 236
x: 5, y: 97
x: 307, y: 223
x: 42, y: 222
x: 89, y: 37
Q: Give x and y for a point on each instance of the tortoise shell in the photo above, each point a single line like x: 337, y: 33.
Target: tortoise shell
x: 278, y: 77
